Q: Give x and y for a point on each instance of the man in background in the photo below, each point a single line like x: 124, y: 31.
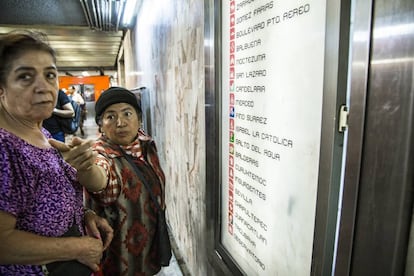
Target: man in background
x: 63, y: 109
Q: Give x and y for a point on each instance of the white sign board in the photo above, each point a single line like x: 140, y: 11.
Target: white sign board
x: 272, y: 89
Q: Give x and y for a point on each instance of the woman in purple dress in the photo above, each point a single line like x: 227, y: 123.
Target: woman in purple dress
x: 40, y: 192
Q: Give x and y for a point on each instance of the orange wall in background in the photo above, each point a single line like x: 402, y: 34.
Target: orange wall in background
x: 99, y: 83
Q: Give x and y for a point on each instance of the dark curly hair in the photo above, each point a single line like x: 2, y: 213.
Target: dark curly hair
x: 16, y: 43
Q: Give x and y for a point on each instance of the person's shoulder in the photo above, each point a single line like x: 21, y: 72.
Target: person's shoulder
x: 10, y: 142
x: 62, y: 93
x: 63, y: 98
x: 46, y: 133
x: 147, y: 142
x: 103, y: 147
x: 6, y: 135
x: 143, y: 136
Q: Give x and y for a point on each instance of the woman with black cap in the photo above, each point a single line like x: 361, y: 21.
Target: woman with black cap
x: 123, y: 198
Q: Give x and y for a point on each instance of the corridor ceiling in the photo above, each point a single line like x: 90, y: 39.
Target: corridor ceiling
x: 86, y: 34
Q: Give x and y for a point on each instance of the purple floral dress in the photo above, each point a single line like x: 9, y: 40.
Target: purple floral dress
x: 40, y: 189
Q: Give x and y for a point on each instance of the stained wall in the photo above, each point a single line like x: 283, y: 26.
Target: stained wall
x: 165, y: 53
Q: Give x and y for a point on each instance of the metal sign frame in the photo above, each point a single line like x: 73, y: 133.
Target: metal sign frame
x: 334, y: 95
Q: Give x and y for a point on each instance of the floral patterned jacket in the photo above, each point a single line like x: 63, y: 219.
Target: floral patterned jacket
x: 128, y: 207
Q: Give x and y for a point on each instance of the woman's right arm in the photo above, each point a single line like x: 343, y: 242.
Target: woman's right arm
x: 66, y: 111
x: 79, y: 155
x: 21, y: 247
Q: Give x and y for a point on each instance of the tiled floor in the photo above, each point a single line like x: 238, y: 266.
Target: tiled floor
x: 172, y: 270
x: 90, y: 128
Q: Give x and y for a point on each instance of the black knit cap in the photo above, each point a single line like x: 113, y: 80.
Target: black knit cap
x: 115, y: 95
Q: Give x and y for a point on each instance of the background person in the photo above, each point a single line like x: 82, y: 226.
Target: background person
x: 40, y: 193
x: 122, y: 198
x: 77, y: 97
x: 62, y: 109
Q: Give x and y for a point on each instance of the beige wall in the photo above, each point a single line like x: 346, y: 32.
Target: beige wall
x: 166, y: 50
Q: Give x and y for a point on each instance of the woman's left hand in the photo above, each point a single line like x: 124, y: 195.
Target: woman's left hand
x: 78, y: 153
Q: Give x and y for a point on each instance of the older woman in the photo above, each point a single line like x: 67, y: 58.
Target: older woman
x: 122, y: 197
x: 40, y: 193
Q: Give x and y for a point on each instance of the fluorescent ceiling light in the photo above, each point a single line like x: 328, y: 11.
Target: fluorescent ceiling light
x: 129, y: 10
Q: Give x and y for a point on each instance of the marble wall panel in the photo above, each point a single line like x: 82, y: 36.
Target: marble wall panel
x: 167, y: 51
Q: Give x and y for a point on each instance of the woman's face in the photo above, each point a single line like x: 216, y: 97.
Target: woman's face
x: 30, y: 92
x: 120, y: 123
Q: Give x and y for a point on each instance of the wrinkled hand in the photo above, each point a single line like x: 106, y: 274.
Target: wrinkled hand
x: 78, y: 153
x: 91, y: 253
x: 95, y: 225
